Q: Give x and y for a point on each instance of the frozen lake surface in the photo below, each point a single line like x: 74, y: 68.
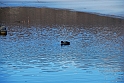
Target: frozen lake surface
x: 31, y: 51
x: 114, y: 8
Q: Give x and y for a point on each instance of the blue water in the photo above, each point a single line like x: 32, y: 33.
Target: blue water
x: 31, y: 51
x: 34, y: 55
x: 113, y: 8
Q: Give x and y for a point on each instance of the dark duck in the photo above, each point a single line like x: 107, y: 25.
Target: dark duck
x: 65, y: 43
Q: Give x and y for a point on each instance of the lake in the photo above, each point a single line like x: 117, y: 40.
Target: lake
x: 31, y: 52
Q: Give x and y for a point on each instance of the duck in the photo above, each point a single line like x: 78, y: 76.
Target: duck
x: 3, y: 30
x: 65, y: 43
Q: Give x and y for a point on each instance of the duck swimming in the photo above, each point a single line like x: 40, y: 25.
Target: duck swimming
x: 3, y: 30
x: 65, y: 43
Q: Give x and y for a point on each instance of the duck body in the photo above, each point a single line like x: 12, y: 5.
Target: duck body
x: 65, y: 43
x: 3, y: 30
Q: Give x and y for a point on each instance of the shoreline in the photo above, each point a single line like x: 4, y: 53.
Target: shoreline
x: 103, y: 8
x: 95, y: 13
x: 55, y: 16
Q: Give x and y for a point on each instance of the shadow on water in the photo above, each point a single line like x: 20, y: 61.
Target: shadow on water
x: 31, y: 52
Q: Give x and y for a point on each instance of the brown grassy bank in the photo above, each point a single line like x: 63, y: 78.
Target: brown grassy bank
x: 31, y: 16
x: 47, y: 16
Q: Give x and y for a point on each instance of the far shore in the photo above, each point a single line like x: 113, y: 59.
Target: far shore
x: 50, y: 16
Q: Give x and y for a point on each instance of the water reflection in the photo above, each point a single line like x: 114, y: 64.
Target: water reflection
x: 31, y: 52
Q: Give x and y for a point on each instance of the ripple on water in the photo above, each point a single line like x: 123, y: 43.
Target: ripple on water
x: 33, y: 53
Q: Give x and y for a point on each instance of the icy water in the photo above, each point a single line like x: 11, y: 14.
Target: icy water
x: 31, y: 51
